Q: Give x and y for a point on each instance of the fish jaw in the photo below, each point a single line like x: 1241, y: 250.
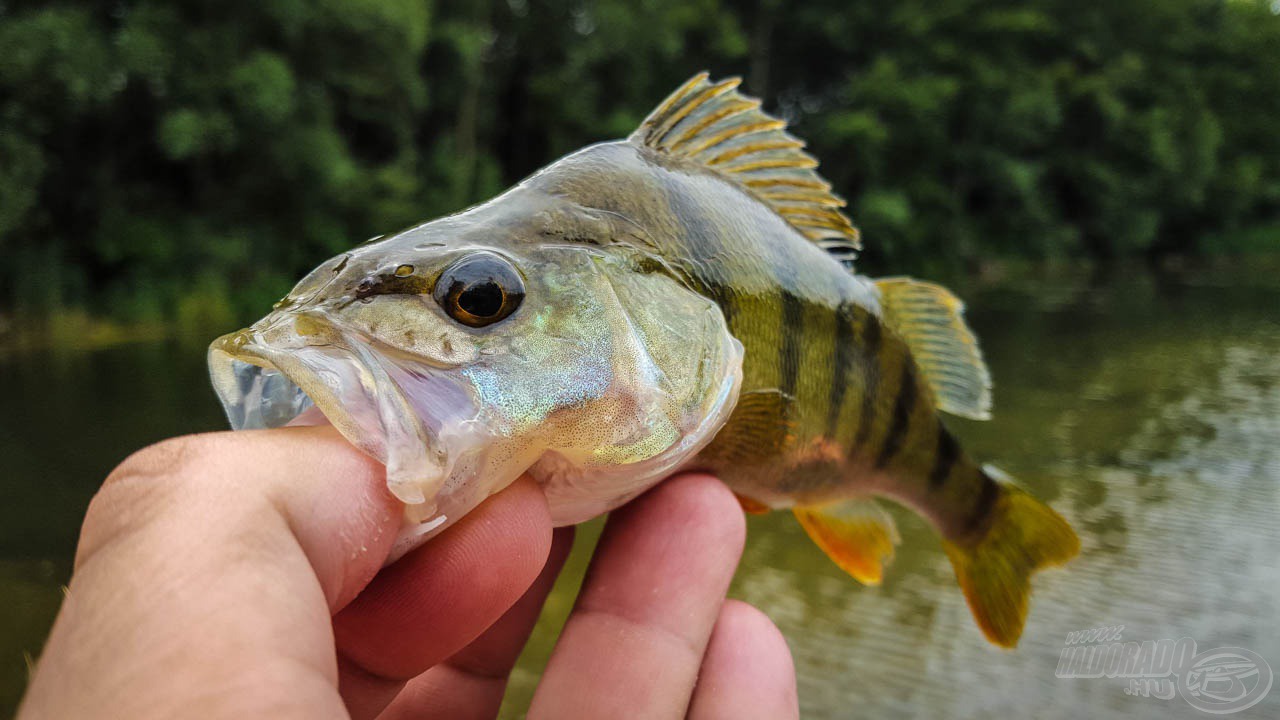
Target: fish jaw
x: 419, y: 421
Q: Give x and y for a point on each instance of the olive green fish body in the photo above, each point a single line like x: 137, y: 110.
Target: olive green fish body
x: 679, y: 299
x: 843, y: 377
x: 832, y: 405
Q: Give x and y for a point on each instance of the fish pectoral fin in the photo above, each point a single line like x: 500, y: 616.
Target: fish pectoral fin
x: 1023, y: 535
x: 762, y: 426
x: 858, y: 535
x: 930, y: 319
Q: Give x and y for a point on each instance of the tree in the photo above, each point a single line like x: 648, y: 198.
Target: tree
x: 155, y: 155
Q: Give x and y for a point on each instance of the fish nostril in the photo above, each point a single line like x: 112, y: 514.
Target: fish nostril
x: 367, y: 287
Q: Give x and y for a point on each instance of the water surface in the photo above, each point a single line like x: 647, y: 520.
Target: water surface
x: 1145, y: 409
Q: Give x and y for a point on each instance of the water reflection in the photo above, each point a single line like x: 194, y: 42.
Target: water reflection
x: 1147, y: 412
x: 1156, y: 431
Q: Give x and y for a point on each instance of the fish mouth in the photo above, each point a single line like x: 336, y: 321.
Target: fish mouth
x: 419, y: 420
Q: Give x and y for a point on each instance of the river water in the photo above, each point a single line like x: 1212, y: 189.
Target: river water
x: 1145, y: 409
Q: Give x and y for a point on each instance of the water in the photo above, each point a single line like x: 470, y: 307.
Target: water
x: 1146, y: 410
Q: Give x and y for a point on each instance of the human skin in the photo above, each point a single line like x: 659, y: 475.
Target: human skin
x: 240, y: 575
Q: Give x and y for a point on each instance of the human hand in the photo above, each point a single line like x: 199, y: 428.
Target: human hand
x: 238, y: 575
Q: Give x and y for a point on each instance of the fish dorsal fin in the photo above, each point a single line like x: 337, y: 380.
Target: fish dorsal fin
x: 725, y: 131
x: 930, y: 319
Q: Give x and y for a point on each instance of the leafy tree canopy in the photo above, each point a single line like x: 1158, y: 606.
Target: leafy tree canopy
x: 157, y: 155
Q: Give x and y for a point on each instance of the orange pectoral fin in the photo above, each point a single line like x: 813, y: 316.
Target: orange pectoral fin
x: 857, y: 535
x: 751, y: 506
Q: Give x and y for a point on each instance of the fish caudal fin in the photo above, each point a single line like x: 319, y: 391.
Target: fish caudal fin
x: 858, y: 535
x: 994, y: 571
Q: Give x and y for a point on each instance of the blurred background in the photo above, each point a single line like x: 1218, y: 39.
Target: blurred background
x: 1099, y: 180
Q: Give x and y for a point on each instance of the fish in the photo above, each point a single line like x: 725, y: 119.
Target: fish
x: 682, y: 299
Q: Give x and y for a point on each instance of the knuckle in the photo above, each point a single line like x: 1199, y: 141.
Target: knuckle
x: 150, y: 462
x: 144, y: 483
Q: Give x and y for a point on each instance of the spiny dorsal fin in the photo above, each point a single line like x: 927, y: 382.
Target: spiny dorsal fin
x: 930, y: 319
x: 720, y: 128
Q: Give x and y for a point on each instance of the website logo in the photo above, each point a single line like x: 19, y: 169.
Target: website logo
x: 1219, y: 681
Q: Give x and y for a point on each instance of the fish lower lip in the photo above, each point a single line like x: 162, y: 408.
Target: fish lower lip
x: 264, y: 397
x: 262, y: 386
x: 395, y: 414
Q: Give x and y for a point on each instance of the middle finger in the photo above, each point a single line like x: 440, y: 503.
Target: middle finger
x: 471, y: 683
x: 635, y: 640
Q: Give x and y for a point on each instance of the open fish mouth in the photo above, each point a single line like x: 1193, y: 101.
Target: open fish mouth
x: 420, y: 421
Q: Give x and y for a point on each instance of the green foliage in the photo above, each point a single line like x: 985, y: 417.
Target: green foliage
x: 187, y: 160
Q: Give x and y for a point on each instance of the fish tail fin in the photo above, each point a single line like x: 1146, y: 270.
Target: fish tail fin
x: 994, y: 571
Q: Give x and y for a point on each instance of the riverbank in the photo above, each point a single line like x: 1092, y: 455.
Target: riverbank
x: 199, y: 318
x: 74, y: 330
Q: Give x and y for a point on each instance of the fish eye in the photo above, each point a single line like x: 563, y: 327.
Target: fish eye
x: 479, y: 289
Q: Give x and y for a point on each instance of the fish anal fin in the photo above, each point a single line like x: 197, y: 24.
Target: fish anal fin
x: 930, y: 319
x: 994, y: 572
x: 716, y: 126
x: 761, y: 427
x: 858, y: 535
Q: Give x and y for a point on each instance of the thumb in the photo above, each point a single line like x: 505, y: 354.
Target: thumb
x: 213, y: 563
x: 280, y: 491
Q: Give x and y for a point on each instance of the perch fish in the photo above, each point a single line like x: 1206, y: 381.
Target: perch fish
x: 681, y: 299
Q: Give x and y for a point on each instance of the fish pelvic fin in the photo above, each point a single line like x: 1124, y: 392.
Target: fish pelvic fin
x: 1022, y: 535
x: 931, y: 321
x: 751, y: 506
x: 858, y: 535
x: 719, y: 128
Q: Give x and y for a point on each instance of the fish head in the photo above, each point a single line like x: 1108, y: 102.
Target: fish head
x: 528, y: 332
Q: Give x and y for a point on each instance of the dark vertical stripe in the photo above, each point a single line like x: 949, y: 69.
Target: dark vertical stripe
x: 901, y: 415
x: 700, y: 239
x: 789, y: 351
x: 871, y: 384
x: 982, y: 509
x: 723, y: 297
x: 840, y: 368
x: 944, y: 458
